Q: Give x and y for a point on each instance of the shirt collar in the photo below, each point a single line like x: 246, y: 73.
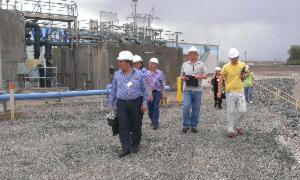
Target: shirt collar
x: 189, y: 62
x: 133, y: 71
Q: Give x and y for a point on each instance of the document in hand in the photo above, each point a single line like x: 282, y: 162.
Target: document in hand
x: 192, y: 81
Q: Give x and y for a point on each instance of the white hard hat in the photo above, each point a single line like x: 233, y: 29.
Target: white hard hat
x: 137, y: 58
x: 218, y: 69
x: 154, y: 60
x: 193, y: 49
x: 233, y: 53
x: 125, y: 55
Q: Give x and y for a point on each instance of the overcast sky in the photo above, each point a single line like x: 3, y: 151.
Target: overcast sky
x: 263, y: 28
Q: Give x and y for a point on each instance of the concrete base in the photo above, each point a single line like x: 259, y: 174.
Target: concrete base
x: 5, y: 116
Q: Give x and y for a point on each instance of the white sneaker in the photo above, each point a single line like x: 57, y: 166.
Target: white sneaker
x: 251, y: 102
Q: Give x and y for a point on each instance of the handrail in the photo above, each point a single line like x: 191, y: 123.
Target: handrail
x: 280, y: 94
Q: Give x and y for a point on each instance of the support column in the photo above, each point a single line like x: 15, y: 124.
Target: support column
x: 1, y: 85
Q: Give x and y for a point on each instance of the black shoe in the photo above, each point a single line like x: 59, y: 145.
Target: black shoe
x: 215, y: 105
x: 220, y: 107
x: 194, y: 130
x: 124, y: 153
x: 184, y: 130
x: 155, y: 127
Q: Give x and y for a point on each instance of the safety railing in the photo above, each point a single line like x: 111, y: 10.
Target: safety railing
x: 31, y: 81
x: 279, y: 94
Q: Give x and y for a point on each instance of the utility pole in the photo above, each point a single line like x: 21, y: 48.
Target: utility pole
x: 177, y: 33
x: 134, y: 16
x: 245, y: 56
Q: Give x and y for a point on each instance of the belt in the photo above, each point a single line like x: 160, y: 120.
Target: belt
x: 129, y: 100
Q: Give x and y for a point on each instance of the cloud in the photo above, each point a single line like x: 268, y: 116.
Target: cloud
x: 263, y: 28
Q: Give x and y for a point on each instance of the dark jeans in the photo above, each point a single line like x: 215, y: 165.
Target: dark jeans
x: 128, y: 112
x: 153, y: 108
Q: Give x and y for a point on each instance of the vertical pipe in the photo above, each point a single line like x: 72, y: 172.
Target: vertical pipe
x: 101, y: 103
x: 70, y: 34
x: 88, y: 65
x: 134, y: 19
x: 74, y: 68
x: 12, y: 100
x: 176, y: 39
x: 218, y: 64
x: 179, y: 90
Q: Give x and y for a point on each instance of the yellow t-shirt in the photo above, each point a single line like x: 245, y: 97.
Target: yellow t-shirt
x: 232, y: 77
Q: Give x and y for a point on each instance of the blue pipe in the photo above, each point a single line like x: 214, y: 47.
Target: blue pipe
x: 28, y: 96
x: 5, y: 97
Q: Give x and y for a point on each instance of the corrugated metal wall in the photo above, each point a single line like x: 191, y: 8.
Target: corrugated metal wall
x: 99, y: 58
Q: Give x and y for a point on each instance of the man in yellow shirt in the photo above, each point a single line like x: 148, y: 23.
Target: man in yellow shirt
x: 234, y: 74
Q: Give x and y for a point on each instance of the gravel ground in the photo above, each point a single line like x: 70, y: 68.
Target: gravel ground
x: 71, y: 140
x: 280, y: 106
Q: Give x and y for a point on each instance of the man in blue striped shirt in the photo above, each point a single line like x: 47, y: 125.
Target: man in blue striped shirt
x: 129, y: 95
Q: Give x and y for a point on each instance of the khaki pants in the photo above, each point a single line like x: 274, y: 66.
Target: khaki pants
x: 236, y: 109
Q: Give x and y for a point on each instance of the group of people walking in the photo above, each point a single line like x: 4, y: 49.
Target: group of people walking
x: 136, y: 90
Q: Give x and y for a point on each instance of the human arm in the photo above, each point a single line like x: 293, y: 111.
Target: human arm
x: 163, y: 85
x: 146, y: 92
x: 220, y: 85
x: 113, y: 93
x: 182, y: 74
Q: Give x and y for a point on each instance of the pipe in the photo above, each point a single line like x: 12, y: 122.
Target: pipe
x: 30, y: 96
x: 29, y: 25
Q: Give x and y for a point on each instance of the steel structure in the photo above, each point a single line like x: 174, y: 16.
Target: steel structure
x: 52, y: 23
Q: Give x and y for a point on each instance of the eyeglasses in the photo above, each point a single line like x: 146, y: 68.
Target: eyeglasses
x: 236, y: 58
x: 193, y: 53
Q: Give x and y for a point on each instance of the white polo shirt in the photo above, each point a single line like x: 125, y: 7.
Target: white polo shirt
x: 193, y: 69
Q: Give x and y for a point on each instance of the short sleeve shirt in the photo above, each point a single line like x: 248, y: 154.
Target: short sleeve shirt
x: 192, y: 69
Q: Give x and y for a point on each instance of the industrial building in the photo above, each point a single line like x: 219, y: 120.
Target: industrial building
x: 45, y: 44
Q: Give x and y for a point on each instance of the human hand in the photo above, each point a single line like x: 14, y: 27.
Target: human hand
x: 184, y: 78
x: 144, y: 108
x: 243, y: 76
x: 150, y: 97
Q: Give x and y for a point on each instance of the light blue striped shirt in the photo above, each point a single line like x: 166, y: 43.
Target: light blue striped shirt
x: 128, y: 87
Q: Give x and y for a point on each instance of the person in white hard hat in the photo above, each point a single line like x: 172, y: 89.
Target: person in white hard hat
x: 138, y: 63
x: 234, y: 73
x: 129, y: 95
x: 214, y: 82
x: 192, y: 73
x: 156, y: 82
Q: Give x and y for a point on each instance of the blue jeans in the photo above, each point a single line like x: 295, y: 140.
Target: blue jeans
x: 248, y: 93
x: 153, y: 108
x: 191, y: 99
